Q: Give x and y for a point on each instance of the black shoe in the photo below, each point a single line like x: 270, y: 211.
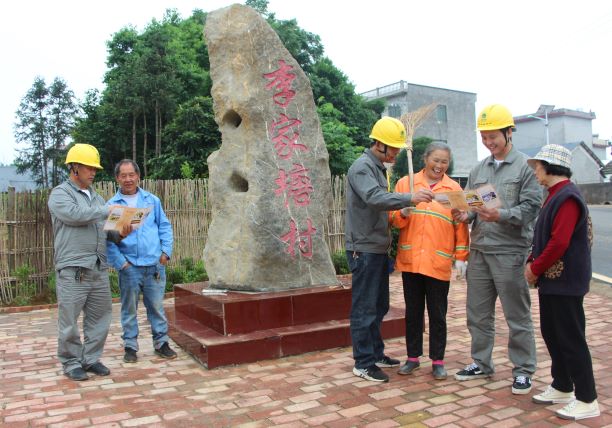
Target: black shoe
x: 439, y: 372
x: 409, y: 367
x: 98, y: 369
x: 77, y: 374
x: 471, y: 372
x: 130, y: 355
x: 521, y: 385
x: 373, y: 373
x: 166, y: 352
x: 386, y: 361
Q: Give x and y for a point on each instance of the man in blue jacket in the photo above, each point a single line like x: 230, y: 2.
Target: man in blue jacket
x: 141, y: 262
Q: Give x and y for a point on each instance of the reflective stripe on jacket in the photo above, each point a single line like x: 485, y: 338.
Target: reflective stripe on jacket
x: 429, y: 239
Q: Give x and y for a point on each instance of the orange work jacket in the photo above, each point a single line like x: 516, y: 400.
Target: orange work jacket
x: 429, y: 238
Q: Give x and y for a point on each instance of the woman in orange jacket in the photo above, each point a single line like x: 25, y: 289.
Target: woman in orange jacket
x: 429, y: 240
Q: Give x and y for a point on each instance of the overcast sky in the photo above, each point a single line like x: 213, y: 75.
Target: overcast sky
x: 521, y: 53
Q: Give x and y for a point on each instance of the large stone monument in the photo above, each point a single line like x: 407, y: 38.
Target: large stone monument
x: 270, y: 183
x: 270, y: 186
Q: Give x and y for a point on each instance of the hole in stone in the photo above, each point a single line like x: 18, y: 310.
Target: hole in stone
x: 238, y: 183
x: 232, y: 118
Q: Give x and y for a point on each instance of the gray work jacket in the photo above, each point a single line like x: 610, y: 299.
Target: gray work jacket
x: 78, y: 223
x: 367, y: 204
x: 521, y: 196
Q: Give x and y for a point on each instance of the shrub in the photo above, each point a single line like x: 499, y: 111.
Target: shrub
x: 188, y: 271
x: 340, y: 263
x: 113, y: 278
x: 26, y: 289
x: 174, y: 276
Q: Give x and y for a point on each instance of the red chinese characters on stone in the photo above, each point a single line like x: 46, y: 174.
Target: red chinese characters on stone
x: 284, y: 135
x: 281, y: 80
x: 296, y: 185
x: 302, y: 238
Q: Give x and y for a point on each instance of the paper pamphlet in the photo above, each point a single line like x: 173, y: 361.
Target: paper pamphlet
x: 467, y: 200
x: 120, y: 215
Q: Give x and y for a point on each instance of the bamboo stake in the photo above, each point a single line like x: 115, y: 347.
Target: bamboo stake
x: 412, y: 120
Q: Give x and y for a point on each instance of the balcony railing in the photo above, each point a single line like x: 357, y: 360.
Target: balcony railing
x: 386, y: 90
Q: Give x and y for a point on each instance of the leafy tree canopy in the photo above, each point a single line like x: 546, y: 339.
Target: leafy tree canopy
x: 156, y: 107
x: 45, y: 118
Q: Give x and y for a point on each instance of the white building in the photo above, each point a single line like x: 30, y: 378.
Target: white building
x: 453, y: 122
x: 569, y: 128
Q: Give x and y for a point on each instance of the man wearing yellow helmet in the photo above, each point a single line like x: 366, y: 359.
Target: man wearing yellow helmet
x: 82, y: 285
x: 367, y: 242
x: 499, y: 244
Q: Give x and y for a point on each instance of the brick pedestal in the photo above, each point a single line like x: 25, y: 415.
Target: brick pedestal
x: 241, y: 327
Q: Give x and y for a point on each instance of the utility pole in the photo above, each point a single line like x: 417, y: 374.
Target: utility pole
x: 544, y: 109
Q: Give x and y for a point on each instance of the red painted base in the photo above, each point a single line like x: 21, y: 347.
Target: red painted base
x: 241, y: 328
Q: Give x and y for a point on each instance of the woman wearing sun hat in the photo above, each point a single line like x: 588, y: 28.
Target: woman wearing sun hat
x: 560, y: 266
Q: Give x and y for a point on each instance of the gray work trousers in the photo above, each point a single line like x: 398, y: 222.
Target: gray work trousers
x: 489, y: 276
x: 88, y: 291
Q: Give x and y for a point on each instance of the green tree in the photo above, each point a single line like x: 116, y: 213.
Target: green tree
x: 45, y: 119
x: 62, y: 113
x: 150, y: 75
x: 102, y: 127
x: 125, y: 84
x: 191, y: 137
x: 163, y: 72
x: 340, y: 146
x: 260, y: 6
x: 31, y: 129
x: 400, y: 168
x: 331, y: 85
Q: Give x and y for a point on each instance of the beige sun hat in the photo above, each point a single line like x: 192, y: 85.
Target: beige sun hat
x: 554, y: 154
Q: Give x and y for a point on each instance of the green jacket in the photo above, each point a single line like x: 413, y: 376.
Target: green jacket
x: 78, y: 227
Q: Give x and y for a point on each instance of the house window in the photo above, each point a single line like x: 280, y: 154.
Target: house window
x: 395, y: 110
x: 441, y: 113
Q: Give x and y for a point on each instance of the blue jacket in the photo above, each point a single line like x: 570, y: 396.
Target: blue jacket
x: 144, y: 246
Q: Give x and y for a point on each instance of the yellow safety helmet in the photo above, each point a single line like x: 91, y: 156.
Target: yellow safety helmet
x: 85, y: 154
x: 390, y: 132
x: 495, y: 116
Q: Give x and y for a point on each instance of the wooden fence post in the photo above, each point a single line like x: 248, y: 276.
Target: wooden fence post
x: 10, y: 226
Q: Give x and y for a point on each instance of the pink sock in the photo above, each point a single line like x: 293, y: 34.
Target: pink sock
x: 413, y: 359
x: 438, y: 362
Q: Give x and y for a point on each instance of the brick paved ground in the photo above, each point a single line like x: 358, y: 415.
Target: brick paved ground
x: 316, y: 389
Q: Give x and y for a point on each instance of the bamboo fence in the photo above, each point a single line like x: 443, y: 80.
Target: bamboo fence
x: 26, y: 236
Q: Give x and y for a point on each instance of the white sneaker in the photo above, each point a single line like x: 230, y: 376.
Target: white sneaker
x: 577, y: 409
x: 553, y: 396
